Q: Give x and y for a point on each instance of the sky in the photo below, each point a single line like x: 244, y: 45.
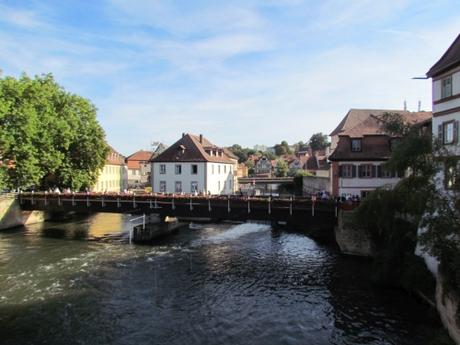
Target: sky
x: 237, y: 71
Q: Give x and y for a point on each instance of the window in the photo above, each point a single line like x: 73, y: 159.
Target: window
x: 385, y: 173
x: 178, y: 169
x: 218, y: 185
x: 448, y: 130
x: 451, y: 173
x: 163, y: 186
x: 347, y: 170
x: 178, y: 188
x: 162, y: 168
x: 194, y: 186
x: 194, y: 169
x: 225, y: 169
x: 446, y: 87
x: 356, y: 145
x: 212, y: 169
x: 366, y: 171
x: 218, y: 169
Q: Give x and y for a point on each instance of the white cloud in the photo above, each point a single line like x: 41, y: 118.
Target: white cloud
x: 22, y: 18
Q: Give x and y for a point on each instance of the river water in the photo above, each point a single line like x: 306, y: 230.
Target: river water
x: 80, y: 282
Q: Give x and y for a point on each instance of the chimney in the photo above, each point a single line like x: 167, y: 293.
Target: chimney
x: 405, y: 105
x: 419, y: 105
x: 183, y: 134
x: 201, y: 138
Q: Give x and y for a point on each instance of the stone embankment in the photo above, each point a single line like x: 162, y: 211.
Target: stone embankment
x: 11, y: 214
x: 352, y: 240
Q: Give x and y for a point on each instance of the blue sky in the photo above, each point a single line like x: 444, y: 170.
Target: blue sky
x: 248, y: 72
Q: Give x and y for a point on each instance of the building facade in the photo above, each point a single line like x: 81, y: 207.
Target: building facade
x: 113, y: 177
x: 263, y: 167
x: 193, y: 165
x: 361, y: 149
x: 445, y: 76
x: 139, y: 169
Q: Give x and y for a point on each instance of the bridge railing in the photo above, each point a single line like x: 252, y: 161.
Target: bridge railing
x: 9, y: 195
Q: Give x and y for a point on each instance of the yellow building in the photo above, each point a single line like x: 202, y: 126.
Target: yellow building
x: 114, y: 176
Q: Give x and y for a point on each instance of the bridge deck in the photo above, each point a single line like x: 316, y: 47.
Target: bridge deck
x: 300, y: 212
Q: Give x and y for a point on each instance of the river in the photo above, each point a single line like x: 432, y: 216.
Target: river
x: 80, y: 282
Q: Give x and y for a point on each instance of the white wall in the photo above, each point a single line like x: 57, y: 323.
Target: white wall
x: 355, y: 185
x: 208, y: 181
x: 185, y: 177
x: 225, y: 178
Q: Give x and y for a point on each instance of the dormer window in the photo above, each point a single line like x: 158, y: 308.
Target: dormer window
x: 446, y: 87
x: 356, y: 145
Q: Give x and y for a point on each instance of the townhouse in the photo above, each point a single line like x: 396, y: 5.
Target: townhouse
x: 193, y: 165
x: 139, y: 168
x: 361, y: 148
x: 445, y: 75
x: 114, y: 175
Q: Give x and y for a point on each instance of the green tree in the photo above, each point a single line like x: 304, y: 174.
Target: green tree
x: 282, y: 148
x: 318, y: 141
x: 281, y: 168
x: 49, y: 136
x: 250, y: 165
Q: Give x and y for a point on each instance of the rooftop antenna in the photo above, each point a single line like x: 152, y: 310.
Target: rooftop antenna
x: 405, y: 105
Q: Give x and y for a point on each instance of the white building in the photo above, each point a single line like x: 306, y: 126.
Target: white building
x: 445, y: 75
x: 193, y: 164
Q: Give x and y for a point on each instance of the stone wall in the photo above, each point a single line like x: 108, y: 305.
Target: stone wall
x: 447, y: 304
x: 314, y: 184
x: 351, y: 240
x: 11, y: 214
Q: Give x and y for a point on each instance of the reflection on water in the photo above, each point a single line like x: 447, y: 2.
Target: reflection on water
x: 215, y: 284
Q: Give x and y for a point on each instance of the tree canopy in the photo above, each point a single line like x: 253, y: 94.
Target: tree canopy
x: 282, y: 148
x: 281, y: 168
x: 318, y: 141
x: 49, y: 137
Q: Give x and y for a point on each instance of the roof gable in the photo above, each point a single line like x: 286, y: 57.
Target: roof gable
x: 369, y: 122
x: 191, y: 148
x: 450, y: 59
x: 356, y: 116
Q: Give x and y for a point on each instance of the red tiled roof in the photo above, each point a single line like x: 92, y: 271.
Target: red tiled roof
x: 189, y: 148
x: 375, y: 142
x: 356, y: 116
x: 372, y: 123
x: 114, y: 157
x: 133, y: 161
x: 449, y: 60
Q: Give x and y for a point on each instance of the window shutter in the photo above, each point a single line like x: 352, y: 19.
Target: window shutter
x: 353, y: 170
x: 340, y: 171
x: 456, y: 132
x: 360, y: 171
x: 374, y: 171
x: 440, y: 133
x: 379, y: 171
